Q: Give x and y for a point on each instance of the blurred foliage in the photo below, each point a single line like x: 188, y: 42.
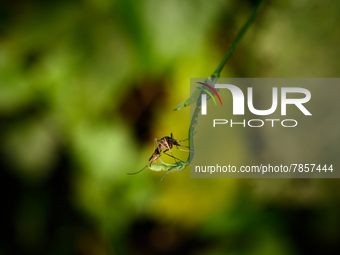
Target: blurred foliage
x: 86, y: 86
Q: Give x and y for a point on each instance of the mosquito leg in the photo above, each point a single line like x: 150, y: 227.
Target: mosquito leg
x: 172, y: 156
x: 168, y: 148
x: 183, y: 149
x: 182, y: 140
x: 182, y: 146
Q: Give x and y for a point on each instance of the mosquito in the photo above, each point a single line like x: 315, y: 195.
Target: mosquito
x: 165, y: 143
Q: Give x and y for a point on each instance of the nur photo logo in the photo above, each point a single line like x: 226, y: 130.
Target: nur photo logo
x: 204, y: 97
x: 295, y: 96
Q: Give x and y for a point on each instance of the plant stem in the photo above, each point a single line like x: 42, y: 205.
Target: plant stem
x: 182, y: 165
x: 216, y: 74
x: 218, y: 70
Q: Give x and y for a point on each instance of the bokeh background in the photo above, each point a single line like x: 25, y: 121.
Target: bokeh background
x: 86, y: 86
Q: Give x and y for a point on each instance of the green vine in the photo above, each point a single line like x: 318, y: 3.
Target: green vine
x: 195, y: 97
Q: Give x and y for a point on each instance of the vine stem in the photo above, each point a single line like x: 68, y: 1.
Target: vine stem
x: 238, y: 38
x: 179, y: 166
x: 216, y: 75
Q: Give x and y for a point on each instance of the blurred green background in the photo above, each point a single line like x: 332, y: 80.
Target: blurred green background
x: 86, y: 86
